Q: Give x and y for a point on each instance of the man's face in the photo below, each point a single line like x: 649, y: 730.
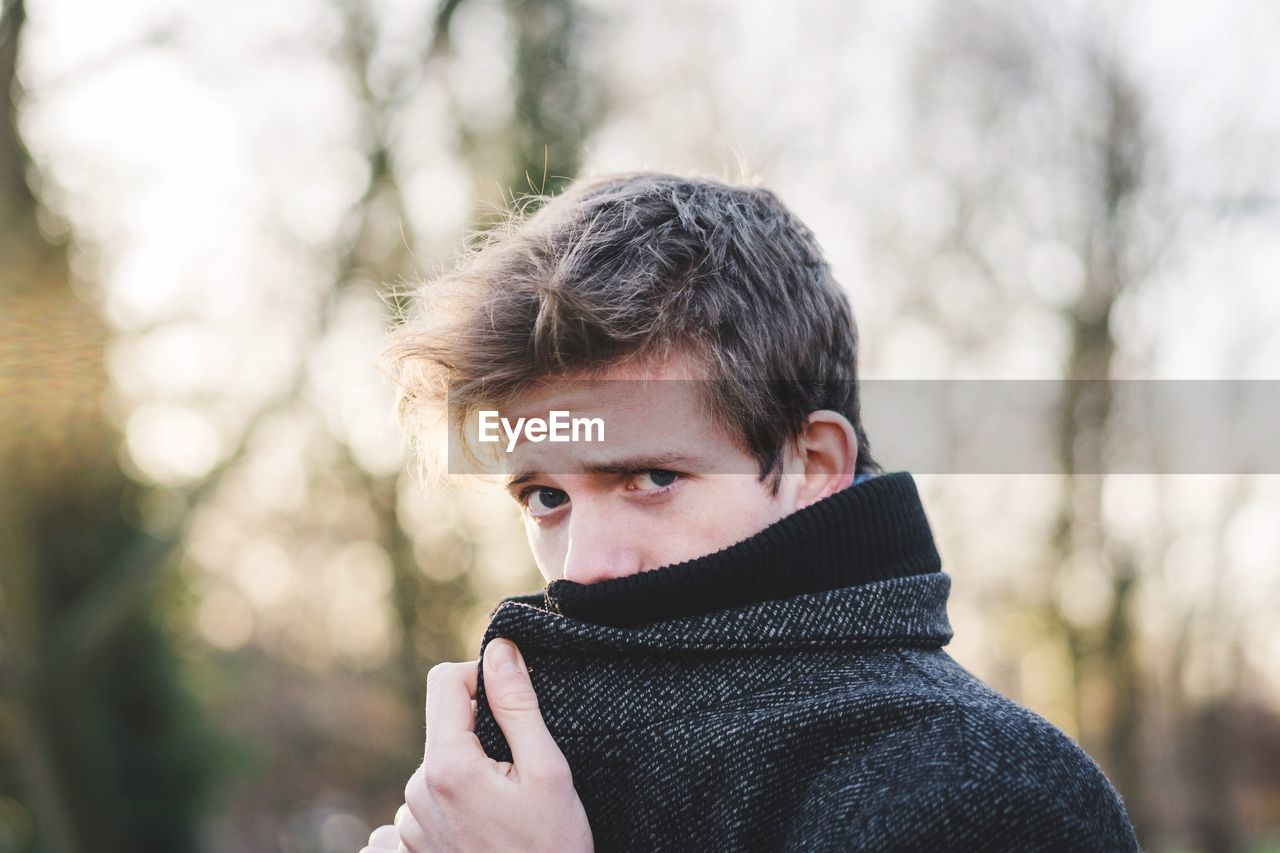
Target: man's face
x: 669, y: 485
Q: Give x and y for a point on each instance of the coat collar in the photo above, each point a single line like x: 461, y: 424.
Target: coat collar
x: 593, y: 677
x: 874, y: 530
x: 594, y: 680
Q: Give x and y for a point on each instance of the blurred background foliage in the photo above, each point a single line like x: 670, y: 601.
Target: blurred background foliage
x: 220, y: 591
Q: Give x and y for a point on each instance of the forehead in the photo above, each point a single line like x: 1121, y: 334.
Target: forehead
x: 649, y: 412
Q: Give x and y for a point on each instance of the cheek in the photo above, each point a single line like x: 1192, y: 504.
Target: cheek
x: 751, y: 510
x: 548, y: 556
x: 728, y: 509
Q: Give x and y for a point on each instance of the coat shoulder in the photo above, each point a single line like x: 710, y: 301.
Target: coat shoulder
x: 974, y: 770
x: 1018, y: 764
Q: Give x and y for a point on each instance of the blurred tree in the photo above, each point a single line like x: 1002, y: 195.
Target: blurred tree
x: 101, y: 740
x: 555, y: 105
x: 1074, y: 123
x: 1115, y: 171
x: 435, y: 589
x: 1034, y: 122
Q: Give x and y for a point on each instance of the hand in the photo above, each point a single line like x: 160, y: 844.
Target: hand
x: 459, y: 799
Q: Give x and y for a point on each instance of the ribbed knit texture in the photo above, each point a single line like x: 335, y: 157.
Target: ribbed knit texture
x: 875, y: 530
x: 825, y: 720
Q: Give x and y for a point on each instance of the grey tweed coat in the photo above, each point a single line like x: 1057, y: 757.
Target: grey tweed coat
x: 790, y: 692
x: 826, y: 721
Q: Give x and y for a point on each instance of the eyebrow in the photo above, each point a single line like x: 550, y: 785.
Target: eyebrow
x: 628, y: 465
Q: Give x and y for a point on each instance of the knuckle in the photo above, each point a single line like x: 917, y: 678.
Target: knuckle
x: 443, y: 778
x: 434, y: 675
x: 554, y: 777
x: 414, y: 790
x: 446, y: 674
x: 439, y: 672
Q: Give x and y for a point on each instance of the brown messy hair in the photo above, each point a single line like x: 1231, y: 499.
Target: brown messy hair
x: 638, y: 266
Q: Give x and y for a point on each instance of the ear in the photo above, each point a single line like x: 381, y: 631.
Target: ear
x: 827, y: 455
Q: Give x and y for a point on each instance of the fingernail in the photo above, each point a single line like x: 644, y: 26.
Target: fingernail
x: 504, y: 657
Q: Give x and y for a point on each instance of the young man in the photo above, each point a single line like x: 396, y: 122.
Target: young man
x: 740, y: 642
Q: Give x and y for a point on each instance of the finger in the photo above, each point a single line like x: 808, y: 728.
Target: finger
x: 411, y: 835
x: 515, y: 708
x: 384, y: 838
x: 450, y: 724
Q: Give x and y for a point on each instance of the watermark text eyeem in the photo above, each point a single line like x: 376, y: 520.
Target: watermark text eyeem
x: 557, y: 427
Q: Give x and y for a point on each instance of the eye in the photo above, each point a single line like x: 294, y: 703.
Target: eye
x: 542, y: 501
x: 655, y: 478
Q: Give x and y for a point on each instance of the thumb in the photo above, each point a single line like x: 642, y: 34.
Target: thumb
x: 515, y: 708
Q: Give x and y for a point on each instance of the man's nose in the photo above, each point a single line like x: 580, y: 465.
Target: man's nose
x: 599, y: 549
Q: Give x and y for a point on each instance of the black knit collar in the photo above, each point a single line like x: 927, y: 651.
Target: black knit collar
x: 874, y: 530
